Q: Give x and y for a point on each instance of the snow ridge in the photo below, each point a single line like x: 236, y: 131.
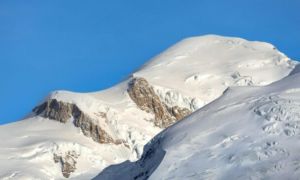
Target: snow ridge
x: 184, y: 78
x: 250, y: 137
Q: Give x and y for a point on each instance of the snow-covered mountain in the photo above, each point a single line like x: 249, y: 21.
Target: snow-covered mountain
x: 247, y: 133
x: 77, y: 135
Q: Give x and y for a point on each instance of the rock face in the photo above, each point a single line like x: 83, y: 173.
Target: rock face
x: 89, y: 128
x: 147, y: 100
x: 55, y: 110
x: 178, y: 112
x: 62, y: 112
x: 67, y: 162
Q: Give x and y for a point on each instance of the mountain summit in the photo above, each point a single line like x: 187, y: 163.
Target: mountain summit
x: 77, y: 135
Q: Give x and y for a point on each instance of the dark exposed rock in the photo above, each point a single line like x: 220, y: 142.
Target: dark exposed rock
x: 62, y: 112
x: 56, y: 110
x: 67, y: 162
x: 143, y: 94
x: 89, y: 128
x: 56, y: 158
x: 179, y: 113
x: 145, y: 98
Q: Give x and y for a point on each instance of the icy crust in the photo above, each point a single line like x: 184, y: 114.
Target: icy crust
x: 251, y: 133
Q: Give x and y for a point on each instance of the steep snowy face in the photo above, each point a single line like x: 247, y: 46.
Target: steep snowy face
x: 119, y: 121
x: 248, y: 133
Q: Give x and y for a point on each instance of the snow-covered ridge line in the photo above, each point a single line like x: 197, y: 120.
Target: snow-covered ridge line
x: 187, y: 76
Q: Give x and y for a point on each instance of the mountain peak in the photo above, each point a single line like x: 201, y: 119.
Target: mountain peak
x: 73, y: 133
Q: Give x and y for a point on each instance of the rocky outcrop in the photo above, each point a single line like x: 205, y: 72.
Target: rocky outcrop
x: 144, y: 96
x: 55, y: 110
x: 140, y: 91
x: 67, y: 162
x: 89, y: 128
x: 62, y: 112
x: 178, y: 112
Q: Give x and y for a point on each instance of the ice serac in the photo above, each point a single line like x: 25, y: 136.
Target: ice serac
x: 113, y: 125
x: 147, y: 100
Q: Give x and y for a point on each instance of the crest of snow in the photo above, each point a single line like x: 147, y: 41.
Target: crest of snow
x: 205, y: 66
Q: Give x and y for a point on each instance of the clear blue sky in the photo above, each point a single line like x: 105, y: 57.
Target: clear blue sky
x: 90, y: 45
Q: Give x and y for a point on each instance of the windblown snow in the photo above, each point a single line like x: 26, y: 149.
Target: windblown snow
x: 248, y: 132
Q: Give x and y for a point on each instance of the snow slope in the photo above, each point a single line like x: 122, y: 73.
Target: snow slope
x: 190, y: 74
x: 247, y: 133
x: 203, y: 67
x: 27, y: 148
